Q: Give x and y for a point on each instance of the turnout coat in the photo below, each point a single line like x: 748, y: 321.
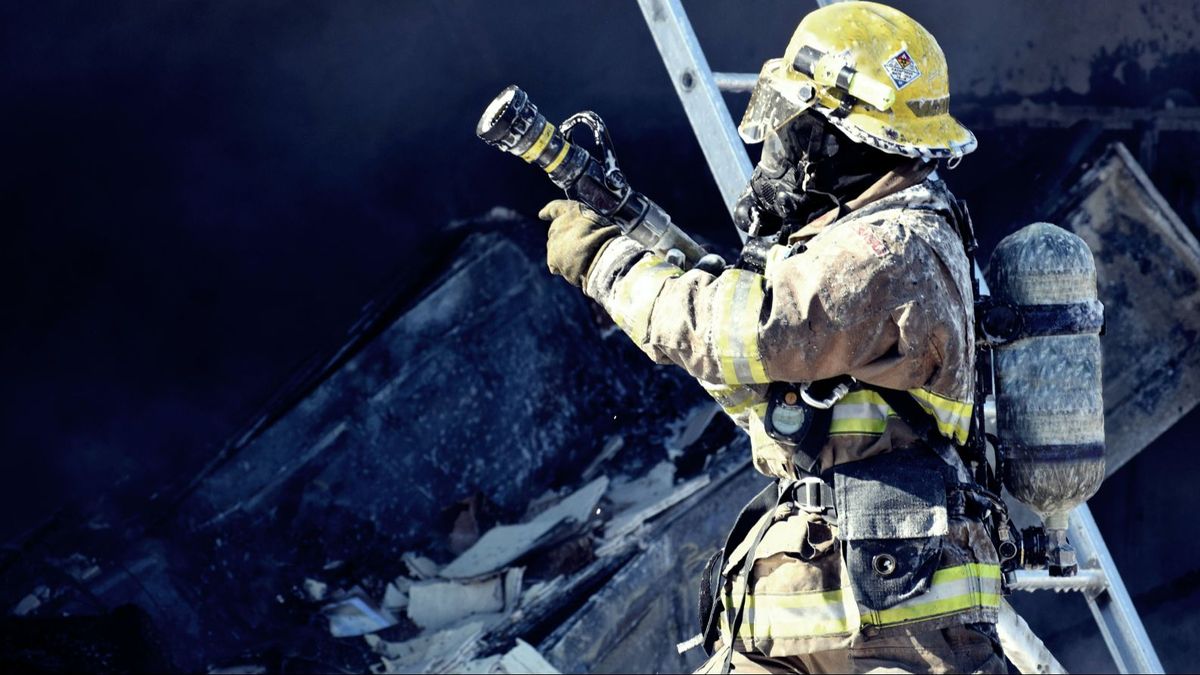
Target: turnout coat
x: 881, y: 293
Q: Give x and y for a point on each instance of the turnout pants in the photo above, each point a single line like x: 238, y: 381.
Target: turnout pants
x: 967, y: 648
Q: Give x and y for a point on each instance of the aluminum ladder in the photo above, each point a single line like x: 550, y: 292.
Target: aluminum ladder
x: 699, y: 90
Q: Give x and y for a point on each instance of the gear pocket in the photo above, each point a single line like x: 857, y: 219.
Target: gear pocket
x: 892, y: 520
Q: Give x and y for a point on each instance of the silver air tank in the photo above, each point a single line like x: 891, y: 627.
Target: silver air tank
x: 1044, y: 323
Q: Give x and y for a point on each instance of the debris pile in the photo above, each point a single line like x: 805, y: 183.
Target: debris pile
x: 528, y: 578
x: 481, y: 425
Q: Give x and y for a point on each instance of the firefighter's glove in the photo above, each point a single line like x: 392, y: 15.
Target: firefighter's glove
x: 577, y: 235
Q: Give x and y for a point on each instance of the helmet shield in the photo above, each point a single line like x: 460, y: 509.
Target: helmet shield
x: 778, y: 97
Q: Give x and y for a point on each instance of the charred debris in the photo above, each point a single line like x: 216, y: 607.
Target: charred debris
x: 444, y: 492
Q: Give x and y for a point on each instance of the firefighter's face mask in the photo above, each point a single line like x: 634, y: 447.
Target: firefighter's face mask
x: 807, y: 167
x: 780, y: 188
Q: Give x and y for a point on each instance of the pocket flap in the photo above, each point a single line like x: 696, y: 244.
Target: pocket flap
x: 897, y: 495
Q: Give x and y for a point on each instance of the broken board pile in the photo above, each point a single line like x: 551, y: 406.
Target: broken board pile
x: 492, y: 424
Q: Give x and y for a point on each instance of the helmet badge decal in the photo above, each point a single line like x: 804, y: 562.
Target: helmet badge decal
x: 902, y: 69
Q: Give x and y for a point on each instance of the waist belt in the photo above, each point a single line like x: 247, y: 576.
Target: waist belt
x: 815, y: 495
x: 810, y: 495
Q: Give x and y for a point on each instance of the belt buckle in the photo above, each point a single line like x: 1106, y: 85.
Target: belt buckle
x: 808, y: 493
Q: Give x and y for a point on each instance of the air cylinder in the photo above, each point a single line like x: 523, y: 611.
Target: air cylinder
x: 1045, y: 326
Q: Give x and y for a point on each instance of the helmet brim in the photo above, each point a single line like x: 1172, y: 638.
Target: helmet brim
x: 940, y: 136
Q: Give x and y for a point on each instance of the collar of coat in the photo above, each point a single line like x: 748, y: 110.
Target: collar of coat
x: 892, y: 182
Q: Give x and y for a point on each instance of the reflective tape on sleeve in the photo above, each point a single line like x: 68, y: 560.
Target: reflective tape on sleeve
x: 953, y: 416
x: 861, y: 412
x: 735, y: 328
x: 634, y: 294
x: 733, y: 399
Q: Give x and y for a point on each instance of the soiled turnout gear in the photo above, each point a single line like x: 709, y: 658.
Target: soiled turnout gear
x: 871, y: 70
x: 968, y: 648
x: 881, y: 293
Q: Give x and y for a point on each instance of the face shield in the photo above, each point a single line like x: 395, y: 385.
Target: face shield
x: 779, y: 96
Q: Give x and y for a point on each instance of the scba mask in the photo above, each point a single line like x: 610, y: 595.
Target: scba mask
x: 808, y: 167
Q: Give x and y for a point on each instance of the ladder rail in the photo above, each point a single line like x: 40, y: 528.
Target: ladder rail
x: 699, y: 90
x: 1113, y: 609
x: 701, y: 99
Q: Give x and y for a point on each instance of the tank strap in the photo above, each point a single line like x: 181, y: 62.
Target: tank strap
x: 1003, y: 322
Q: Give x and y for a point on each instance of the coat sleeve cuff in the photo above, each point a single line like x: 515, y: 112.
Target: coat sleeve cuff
x: 614, y: 260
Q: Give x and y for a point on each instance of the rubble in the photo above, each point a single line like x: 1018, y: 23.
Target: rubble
x: 522, y: 658
x: 419, y: 566
x: 356, y: 615
x: 640, y: 499
x: 446, y: 651
x: 649, y: 604
x: 340, y: 486
x: 315, y: 590
x: 436, y: 603
x: 465, y: 531
x: 611, y: 447
x: 395, y: 595
x: 503, y: 544
x: 30, y: 602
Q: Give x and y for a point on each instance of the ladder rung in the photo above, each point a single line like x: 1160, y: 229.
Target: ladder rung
x: 735, y: 81
x: 1086, y: 580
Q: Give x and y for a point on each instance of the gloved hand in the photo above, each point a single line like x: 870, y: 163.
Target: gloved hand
x: 577, y: 235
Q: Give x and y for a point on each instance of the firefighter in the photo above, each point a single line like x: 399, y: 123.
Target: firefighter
x: 845, y: 349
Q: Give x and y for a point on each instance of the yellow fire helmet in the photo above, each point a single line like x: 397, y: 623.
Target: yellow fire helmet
x: 873, y: 72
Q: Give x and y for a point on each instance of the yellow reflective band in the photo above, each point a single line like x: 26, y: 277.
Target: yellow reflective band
x: 752, y: 310
x: 737, y: 313
x: 961, y: 588
x: 540, y: 144
x: 635, y: 293
x: 858, y: 426
x: 725, y: 328
x: 981, y: 570
x: 952, y: 589
x: 562, y: 154
x: 953, y: 417
x: 936, y: 608
x: 733, y: 399
x: 797, y: 628
x: 863, y: 396
x: 861, y: 412
x: 795, y: 615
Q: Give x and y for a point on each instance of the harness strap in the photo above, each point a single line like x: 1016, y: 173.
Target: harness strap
x: 763, y: 503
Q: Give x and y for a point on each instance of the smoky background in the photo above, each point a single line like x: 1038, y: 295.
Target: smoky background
x: 198, y: 196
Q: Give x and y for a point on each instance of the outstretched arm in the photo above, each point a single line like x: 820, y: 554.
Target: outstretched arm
x: 851, y: 303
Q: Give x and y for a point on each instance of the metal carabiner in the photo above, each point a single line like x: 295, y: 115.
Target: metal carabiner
x: 614, y: 178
